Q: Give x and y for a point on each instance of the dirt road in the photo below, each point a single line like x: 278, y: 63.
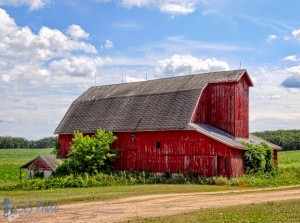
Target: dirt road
x: 153, y: 205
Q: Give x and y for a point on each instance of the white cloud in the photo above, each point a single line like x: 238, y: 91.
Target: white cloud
x: 293, y: 80
x: 271, y: 104
x: 76, y: 32
x: 271, y: 38
x: 76, y: 66
x: 26, y: 73
x: 277, y: 96
x: 294, y: 69
x: 136, y: 3
x: 33, y: 4
x: 108, y: 44
x: 186, y: 64
x: 171, y: 7
x: 296, y: 34
x: 177, y: 9
x: 133, y: 79
x: 25, y: 56
x: 292, y: 58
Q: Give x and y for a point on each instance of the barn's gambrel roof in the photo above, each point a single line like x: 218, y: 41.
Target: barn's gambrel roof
x: 162, y: 104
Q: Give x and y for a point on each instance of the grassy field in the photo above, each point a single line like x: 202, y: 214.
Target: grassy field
x: 289, y: 159
x: 283, y: 211
x: 12, y: 159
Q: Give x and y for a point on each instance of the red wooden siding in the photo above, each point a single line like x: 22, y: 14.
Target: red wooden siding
x: 225, y: 106
x: 40, y: 164
x: 180, y: 151
x: 65, y: 144
x: 242, y: 108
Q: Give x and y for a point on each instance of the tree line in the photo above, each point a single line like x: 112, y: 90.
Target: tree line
x: 287, y: 139
x: 9, y: 142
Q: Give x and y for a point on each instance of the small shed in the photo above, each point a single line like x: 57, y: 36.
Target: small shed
x: 41, y: 164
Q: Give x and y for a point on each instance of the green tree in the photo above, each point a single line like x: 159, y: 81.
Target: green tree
x: 89, y: 154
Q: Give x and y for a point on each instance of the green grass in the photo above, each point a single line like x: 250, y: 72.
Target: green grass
x: 289, y: 159
x: 12, y: 159
x: 282, y: 211
x: 68, y: 195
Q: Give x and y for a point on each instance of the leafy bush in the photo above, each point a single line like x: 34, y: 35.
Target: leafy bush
x: 259, y: 158
x: 89, y: 154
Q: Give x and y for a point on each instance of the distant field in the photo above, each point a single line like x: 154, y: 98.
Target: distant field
x: 12, y: 159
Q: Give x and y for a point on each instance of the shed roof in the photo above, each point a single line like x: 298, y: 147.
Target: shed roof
x: 50, y: 161
x: 162, y: 104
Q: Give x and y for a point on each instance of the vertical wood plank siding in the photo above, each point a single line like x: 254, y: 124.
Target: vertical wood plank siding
x: 180, y: 151
x: 225, y: 106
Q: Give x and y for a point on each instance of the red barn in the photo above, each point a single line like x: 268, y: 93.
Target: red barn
x: 192, y: 123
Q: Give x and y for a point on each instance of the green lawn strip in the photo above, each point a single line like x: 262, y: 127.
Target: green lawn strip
x: 281, y: 211
x: 70, y: 195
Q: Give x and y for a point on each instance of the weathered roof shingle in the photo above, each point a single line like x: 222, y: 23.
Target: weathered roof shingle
x: 163, y: 104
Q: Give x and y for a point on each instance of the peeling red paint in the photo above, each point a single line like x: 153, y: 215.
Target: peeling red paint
x: 225, y: 106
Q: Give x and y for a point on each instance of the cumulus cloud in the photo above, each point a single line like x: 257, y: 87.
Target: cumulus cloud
x: 26, y: 73
x: 186, y: 64
x: 26, y: 56
x: 271, y: 38
x: 33, y: 4
x: 76, y: 32
x: 292, y: 58
x: 76, y: 66
x: 292, y: 81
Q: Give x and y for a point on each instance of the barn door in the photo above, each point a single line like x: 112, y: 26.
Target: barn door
x: 131, y: 159
x: 219, y: 165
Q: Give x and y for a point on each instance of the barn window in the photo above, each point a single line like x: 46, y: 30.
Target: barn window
x: 225, y: 165
x: 157, y: 144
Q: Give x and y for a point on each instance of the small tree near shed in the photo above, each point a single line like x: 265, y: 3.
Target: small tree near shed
x: 89, y: 154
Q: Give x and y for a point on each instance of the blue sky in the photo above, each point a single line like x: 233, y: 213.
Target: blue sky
x: 52, y: 51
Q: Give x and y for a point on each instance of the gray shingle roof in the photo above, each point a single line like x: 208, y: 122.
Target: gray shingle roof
x: 228, y: 139
x: 50, y: 161
x: 162, y: 104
